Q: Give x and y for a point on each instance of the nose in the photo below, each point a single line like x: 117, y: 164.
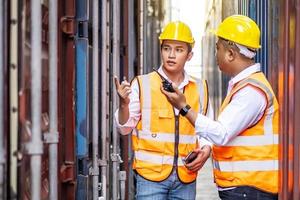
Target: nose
x: 172, y: 53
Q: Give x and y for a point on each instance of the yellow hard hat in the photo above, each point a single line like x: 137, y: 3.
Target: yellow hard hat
x: 178, y: 31
x: 241, y: 30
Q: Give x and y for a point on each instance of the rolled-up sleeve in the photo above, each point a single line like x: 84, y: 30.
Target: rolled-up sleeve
x: 134, y: 111
x: 126, y: 128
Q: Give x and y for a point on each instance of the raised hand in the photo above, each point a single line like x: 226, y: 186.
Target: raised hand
x: 203, y: 155
x: 177, y: 98
x: 123, y: 90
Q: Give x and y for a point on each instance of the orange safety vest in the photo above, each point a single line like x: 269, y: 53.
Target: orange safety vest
x: 161, y: 140
x: 251, y: 158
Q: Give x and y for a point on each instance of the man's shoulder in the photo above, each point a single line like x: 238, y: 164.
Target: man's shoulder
x: 146, y: 76
x: 196, y: 80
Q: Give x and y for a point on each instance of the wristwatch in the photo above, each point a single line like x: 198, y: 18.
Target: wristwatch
x: 183, y: 111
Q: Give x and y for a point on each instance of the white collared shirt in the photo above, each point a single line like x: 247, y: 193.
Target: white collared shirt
x: 245, y: 109
x: 135, y: 110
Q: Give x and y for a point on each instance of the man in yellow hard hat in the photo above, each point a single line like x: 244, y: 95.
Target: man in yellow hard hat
x: 161, y: 136
x: 245, y: 135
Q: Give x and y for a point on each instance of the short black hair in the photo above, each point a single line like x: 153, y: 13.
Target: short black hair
x: 231, y: 45
x: 188, y: 45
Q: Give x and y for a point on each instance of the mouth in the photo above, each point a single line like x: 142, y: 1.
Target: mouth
x: 171, y: 63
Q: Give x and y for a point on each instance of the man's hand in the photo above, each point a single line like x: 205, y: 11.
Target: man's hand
x: 203, y: 155
x: 123, y: 91
x: 177, y: 98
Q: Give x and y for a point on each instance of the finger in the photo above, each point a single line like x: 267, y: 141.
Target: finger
x: 117, y: 84
x: 197, y: 150
x: 124, y: 86
x: 196, y: 166
x: 199, y: 162
x: 163, y: 91
x: 127, y: 92
x: 125, y: 83
x: 192, y: 164
x: 166, y: 92
x: 195, y: 162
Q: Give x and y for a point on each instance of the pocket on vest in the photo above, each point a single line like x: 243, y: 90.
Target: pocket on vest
x: 144, y: 167
x: 149, y: 142
x: 150, y: 153
x: 162, y: 120
x: 148, y: 161
x: 220, y: 154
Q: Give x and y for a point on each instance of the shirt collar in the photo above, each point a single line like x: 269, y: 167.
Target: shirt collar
x: 245, y: 73
x: 185, y: 81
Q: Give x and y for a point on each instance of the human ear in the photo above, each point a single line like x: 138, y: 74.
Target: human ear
x: 190, y: 55
x: 230, y: 54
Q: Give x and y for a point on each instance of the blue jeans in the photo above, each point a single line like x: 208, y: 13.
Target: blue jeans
x: 246, y: 193
x: 171, y: 188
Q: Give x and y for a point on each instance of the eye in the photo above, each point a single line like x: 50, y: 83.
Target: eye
x: 165, y: 48
x: 179, y: 50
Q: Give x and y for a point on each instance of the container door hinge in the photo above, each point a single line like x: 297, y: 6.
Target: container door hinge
x: 67, y: 172
x: 68, y: 25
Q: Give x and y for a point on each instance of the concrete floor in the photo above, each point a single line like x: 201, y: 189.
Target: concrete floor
x: 206, y: 188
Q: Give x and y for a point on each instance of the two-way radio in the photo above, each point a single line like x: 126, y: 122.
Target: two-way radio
x: 190, y: 157
x: 166, y: 84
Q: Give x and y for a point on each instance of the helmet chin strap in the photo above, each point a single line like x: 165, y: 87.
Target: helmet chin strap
x: 245, y: 51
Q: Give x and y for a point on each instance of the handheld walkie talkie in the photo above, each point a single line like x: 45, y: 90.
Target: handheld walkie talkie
x: 190, y: 157
x: 166, y: 84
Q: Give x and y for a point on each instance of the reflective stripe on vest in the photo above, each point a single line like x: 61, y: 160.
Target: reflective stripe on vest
x: 203, y: 91
x: 146, y: 102
x: 237, y: 166
x: 165, y: 137
x: 268, y: 124
x: 255, y: 140
x: 154, y: 138
x: 251, y: 158
x: 157, y: 159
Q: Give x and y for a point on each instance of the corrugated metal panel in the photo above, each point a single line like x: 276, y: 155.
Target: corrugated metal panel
x: 82, y: 136
x: 13, y: 100
x: 82, y: 104
x: 273, y: 24
x: 262, y: 19
x: 265, y: 13
x: 82, y: 97
x: 66, y: 86
x: 259, y: 11
x: 124, y: 71
x: 6, y: 105
x: 24, y: 183
x: 289, y: 98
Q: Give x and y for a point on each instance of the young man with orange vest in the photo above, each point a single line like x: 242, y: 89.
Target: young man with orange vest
x: 161, y: 135
x: 245, y: 136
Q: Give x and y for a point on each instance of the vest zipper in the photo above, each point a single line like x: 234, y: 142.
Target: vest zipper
x: 176, y: 140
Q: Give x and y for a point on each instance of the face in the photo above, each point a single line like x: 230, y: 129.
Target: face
x: 174, y: 55
x: 222, y: 55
